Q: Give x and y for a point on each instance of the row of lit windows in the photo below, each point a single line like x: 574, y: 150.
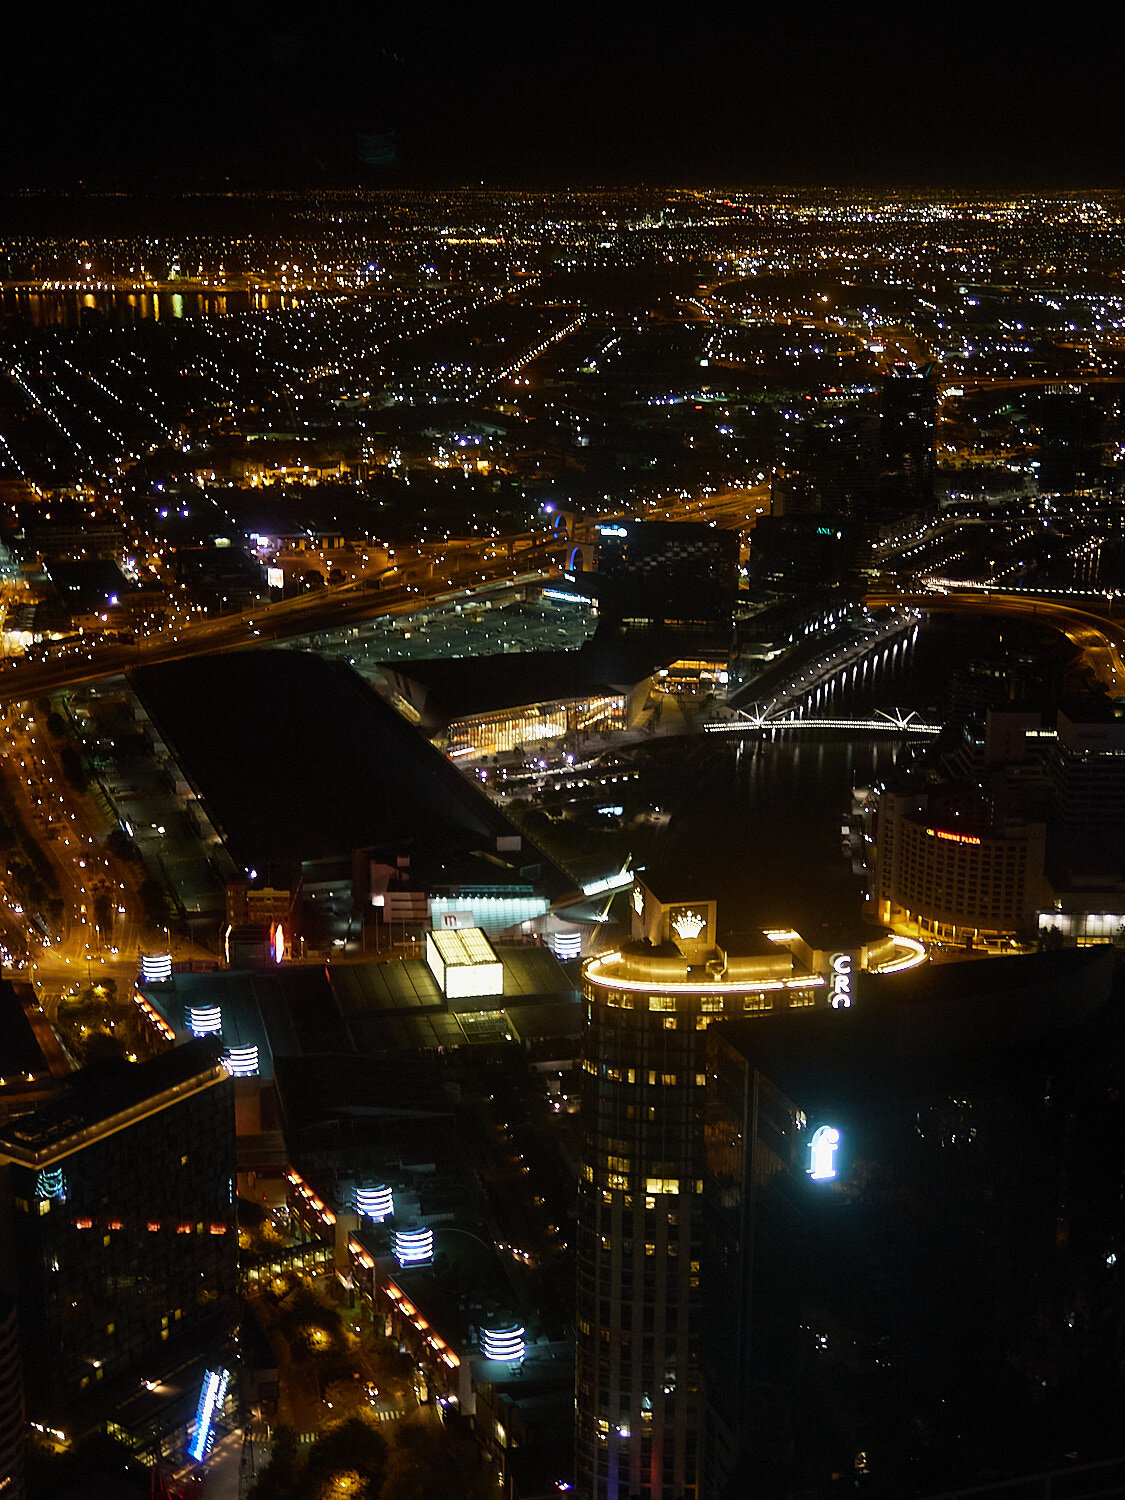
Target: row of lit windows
x: 629, y: 1075
x: 667, y: 1004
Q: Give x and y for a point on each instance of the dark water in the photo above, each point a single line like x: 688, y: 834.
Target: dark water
x: 79, y: 309
x: 760, y: 823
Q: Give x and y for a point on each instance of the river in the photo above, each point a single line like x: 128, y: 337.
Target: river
x: 759, y: 823
x: 66, y: 309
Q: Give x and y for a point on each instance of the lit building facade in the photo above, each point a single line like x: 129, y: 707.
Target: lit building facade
x: 531, y: 725
x: 638, y: 1397
x: 120, y: 1215
x: 1086, y: 770
x: 640, y: 1206
x: 967, y: 880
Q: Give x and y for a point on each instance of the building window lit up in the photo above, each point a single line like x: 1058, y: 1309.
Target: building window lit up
x: 537, y: 724
x: 464, y: 962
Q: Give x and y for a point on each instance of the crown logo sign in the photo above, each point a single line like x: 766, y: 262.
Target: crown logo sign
x: 687, y: 925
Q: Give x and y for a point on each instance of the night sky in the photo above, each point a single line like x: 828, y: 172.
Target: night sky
x: 917, y: 94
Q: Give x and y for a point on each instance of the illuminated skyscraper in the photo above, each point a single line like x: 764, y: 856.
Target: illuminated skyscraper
x: 640, y: 1206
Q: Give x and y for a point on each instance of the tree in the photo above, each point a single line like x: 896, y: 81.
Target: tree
x: 73, y: 769
x: 154, y: 901
x: 429, y: 1461
x: 119, y: 843
x: 355, y: 1446
x: 103, y: 912
x: 279, y: 1479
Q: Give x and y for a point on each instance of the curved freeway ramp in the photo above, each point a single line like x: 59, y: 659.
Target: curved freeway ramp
x: 1100, y: 639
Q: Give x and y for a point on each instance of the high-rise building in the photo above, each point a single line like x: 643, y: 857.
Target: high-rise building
x: 12, y: 1420
x: 907, y: 424
x: 959, y: 877
x: 675, y: 573
x: 640, y: 1206
x: 118, y: 1211
x: 871, y: 1179
x: 1071, y: 440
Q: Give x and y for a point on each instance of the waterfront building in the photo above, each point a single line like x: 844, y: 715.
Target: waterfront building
x: 648, y: 1008
x: 956, y: 876
x: 907, y: 424
x: 680, y: 573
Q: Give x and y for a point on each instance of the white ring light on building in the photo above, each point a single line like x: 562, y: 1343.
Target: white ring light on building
x: 156, y: 968
x: 241, y: 1062
x: 374, y: 1202
x: 204, y: 1020
x: 503, y: 1343
x: 414, y: 1247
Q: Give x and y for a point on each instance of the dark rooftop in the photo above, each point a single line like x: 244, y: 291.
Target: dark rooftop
x: 88, y: 585
x: 611, y: 661
x: 20, y: 1053
x: 903, y: 1024
x: 97, y: 1093
x: 375, y: 1008
x: 332, y: 767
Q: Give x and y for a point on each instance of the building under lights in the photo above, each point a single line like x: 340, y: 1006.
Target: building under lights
x: 648, y: 1009
x: 956, y: 876
x: 119, y: 1235
x: 445, y: 1296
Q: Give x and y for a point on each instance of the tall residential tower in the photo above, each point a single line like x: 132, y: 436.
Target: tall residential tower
x: 640, y: 1208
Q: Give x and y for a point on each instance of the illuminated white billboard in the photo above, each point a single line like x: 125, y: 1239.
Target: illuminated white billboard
x: 464, y: 963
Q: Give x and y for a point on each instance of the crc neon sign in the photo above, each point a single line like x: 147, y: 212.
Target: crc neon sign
x: 823, y: 1146
x: 840, y: 995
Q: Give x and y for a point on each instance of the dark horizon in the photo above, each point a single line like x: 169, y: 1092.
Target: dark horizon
x: 859, y: 97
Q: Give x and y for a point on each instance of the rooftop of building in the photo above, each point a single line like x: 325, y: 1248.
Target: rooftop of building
x: 989, y: 1007
x: 334, y: 768
x: 21, y: 1056
x: 610, y: 662
x: 464, y: 1289
x: 104, y: 1093
x: 377, y: 1007
x: 640, y: 963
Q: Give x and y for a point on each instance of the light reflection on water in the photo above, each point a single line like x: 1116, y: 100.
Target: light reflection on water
x: 760, y: 823
x: 75, y: 309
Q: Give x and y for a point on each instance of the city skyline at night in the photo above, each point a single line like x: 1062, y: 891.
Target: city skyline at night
x: 562, y: 755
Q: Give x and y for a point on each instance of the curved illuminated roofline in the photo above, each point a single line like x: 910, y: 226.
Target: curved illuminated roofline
x: 916, y: 954
x: 704, y: 987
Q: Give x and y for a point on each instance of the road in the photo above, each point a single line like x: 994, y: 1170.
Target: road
x: 1101, y: 640
x: 323, y: 609
x: 65, y: 826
